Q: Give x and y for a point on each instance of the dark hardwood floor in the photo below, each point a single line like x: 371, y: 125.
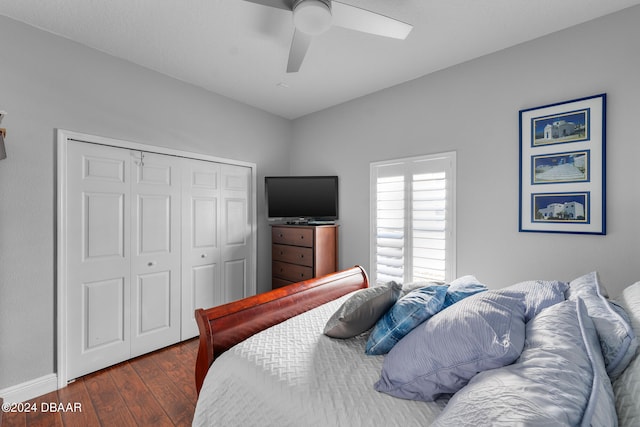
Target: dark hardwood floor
x: 157, y: 389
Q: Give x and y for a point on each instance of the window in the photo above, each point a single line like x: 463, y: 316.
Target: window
x: 413, y: 219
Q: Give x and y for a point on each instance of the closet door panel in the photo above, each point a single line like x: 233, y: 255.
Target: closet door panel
x: 104, y: 313
x: 203, y: 293
x: 155, y: 307
x: 103, y: 225
x: 235, y: 278
x: 98, y: 257
x: 154, y: 299
x: 236, y: 247
x: 201, y: 275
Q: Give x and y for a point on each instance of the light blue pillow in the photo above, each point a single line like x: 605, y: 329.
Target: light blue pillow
x: 483, y: 331
x: 617, y: 338
x: 461, y: 288
x: 560, y: 368
x: 540, y: 294
x: 407, y: 313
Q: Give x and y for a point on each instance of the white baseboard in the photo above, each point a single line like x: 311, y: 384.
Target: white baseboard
x: 30, y: 389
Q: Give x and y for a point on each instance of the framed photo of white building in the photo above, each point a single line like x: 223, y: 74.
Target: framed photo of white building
x: 562, y: 167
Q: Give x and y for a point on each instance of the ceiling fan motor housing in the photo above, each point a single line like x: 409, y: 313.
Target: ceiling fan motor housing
x: 312, y: 17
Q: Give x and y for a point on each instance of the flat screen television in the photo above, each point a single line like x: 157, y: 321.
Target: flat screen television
x: 302, y: 198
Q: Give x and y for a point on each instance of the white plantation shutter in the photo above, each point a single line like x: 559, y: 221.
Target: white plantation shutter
x: 390, y: 225
x: 429, y: 226
x: 412, y: 223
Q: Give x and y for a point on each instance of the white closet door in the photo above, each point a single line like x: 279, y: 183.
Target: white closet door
x: 201, y: 274
x: 235, y: 232
x: 155, y: 267
x: 99, y: 259
x: 145, y: 239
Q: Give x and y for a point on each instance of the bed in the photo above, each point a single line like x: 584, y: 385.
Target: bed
x: 535, y: 353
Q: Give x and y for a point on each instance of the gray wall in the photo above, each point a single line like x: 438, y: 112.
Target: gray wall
x: 47, y: 82
x: 473, y: 109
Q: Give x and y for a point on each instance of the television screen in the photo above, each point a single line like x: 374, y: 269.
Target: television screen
x: 307, y: 197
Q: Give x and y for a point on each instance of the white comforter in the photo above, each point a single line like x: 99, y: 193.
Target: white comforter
x: 293, y: 375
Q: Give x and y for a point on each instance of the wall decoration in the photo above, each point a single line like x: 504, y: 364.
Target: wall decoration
x: 562, y: 167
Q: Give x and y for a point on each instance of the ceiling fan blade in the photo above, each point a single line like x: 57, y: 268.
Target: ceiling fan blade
x: 278, y: 4
x: 299, y: 47
x: 354, y: 18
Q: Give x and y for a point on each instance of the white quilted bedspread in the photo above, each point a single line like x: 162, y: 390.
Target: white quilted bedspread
x: 293, y: 375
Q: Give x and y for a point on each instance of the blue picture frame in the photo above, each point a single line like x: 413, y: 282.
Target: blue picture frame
x: 563, y: 167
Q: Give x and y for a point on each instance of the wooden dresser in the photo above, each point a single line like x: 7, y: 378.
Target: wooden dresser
x: 300, y: 252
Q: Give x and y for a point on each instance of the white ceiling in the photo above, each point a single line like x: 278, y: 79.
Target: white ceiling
x: 239, y: 49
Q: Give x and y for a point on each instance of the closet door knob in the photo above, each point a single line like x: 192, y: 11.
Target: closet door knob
x: 203, y: 256
x: 151, y: 263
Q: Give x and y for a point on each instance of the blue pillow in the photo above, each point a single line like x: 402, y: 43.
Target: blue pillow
x: 617, y: 338
x: 461, y: 288
x: 483, y: 331
x: 407, y: 313
x: 540, y: 294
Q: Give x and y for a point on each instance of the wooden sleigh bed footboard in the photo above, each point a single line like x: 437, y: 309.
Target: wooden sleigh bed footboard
x: 224, y: 326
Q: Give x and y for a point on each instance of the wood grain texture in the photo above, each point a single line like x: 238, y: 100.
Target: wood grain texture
x: 156, y: 389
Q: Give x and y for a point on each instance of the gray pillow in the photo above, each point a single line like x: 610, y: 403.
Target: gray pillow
x: 626, y: 386
x: 617, y: 338
x: 483, y: 331
x: 362, y: 310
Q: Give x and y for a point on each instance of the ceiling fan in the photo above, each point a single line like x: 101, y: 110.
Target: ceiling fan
x: 314, y: 17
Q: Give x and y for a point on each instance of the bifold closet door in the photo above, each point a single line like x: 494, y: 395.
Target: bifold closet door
x: 156, y: 252
x: 201, y: 276
x: 217, y: 253
x: 98, y: 257
x: 148, y: 238
x: 123, y: 251
x: 235, y: 232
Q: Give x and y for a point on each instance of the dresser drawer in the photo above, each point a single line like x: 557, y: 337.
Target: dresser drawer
x: 277, y: 282
x: 292, y: 254
x: 293, y: 272
x: 292, y: 236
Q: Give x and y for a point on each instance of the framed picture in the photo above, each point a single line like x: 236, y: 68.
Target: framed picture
x: 562, y: 167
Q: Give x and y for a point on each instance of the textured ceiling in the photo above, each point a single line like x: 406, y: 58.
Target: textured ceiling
x: 239, y: 49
